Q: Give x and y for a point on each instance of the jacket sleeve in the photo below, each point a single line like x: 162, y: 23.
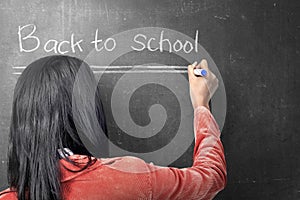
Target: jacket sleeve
x: 206, y: 177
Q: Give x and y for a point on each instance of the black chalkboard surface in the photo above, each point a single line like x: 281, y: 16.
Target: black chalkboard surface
x: 252, y: 46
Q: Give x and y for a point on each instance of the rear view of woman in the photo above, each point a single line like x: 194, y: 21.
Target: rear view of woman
x: 47, y: 159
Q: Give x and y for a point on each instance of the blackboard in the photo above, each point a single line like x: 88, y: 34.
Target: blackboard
x: 254, y: 46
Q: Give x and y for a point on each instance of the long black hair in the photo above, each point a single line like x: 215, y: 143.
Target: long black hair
x: 42, y: 122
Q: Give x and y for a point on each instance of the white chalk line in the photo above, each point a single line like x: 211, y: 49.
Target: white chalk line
x: 124, y: 67
x: 139, y: 67
x: 140, y: 71
x: 131, y: 72
x: 120, y: 69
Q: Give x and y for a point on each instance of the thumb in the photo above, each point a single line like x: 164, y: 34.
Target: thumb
x: 204, y: 65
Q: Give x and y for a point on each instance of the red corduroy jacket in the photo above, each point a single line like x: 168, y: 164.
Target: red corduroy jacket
x: 132, y: 178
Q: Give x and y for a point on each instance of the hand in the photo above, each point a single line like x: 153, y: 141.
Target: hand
x: 201, y: 88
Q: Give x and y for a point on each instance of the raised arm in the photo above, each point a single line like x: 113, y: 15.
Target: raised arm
x: 207, y: 176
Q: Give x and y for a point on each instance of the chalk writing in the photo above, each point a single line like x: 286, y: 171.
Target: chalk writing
x: 30, y: 42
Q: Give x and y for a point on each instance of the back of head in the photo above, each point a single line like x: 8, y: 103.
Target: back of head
x: 43, y: 122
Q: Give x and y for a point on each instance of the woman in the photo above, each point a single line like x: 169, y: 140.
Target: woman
x: 47, y: 159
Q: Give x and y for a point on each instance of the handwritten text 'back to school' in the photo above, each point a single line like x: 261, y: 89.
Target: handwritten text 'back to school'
x: 29, y: 41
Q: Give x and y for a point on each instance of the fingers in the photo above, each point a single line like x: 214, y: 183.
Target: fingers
x: 202, y: 65
x: 191, y: 70
x: 194, y: 64
x: 211, y: 80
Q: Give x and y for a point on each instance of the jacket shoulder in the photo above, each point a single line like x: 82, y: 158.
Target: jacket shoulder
x: 8, y: 195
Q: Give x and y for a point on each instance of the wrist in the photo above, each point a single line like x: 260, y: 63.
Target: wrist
x: 201, y: 103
